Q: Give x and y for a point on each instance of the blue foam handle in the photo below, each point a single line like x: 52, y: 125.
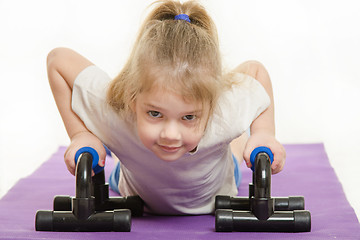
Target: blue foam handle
x: 258, y: 150
x: 95, y: 166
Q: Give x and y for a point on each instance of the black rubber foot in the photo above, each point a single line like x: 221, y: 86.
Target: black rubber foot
x: 44, y: 220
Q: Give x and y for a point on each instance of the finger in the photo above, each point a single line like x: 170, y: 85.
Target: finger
x: 277, y: 168
x: 71, y: 170
x: 102, y: 157
x: 101, y: 163
x: 247, y: 161
x: 70, y: 164
x: 246, y: 156
x: 69, y: 161
x: 279, y: 162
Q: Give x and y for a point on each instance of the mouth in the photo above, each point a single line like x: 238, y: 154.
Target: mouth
x: 169, y: 149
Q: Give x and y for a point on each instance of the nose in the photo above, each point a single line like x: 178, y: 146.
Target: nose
x: 171, y: 131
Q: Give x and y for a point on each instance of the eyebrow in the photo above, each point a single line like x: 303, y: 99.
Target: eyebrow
x: 153, y: 106
x: 196, y: 111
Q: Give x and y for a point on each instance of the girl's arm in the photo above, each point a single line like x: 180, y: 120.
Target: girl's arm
x: 63, y: 66
x: 263, y: 127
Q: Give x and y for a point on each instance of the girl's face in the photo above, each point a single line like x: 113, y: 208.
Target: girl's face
x: 168, y: 125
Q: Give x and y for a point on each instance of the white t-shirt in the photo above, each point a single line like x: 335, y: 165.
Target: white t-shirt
x: 188, y: 185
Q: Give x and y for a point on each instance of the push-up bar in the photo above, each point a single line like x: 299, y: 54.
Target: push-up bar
x: 91, y: 209
x: 260, y: 212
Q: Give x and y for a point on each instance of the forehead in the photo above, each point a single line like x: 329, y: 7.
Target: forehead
x: 179, y: 78
x: 193, y: 85
x: 166, y: 99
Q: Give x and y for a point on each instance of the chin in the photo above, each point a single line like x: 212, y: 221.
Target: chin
x: 169, y: 157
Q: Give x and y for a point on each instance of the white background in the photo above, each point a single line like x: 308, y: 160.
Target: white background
x: 310, y: 48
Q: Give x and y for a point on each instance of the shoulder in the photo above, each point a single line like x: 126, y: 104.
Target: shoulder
x: 92, y: 79
x: 251, y: 68
x: 67, y: 63
x: 239, y: 105
x: 242, y: 86
x: 89, y: 90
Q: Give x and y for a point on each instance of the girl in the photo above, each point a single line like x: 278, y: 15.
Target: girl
x: 171, y: 116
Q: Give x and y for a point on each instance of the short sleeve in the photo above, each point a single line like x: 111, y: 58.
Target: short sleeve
x: 240, y: 106
x: 89, y: 100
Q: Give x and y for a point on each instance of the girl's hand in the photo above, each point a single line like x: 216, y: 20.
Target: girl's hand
x: 79, y: 140
x: 267, y: 140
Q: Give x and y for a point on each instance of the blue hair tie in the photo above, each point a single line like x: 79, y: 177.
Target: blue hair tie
x: 183, y: 17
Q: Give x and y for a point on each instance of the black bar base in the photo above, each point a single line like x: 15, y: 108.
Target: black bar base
x: 281, y: 221
x: 260, y: 212
x: 64, y: 221
x: 91, y: 210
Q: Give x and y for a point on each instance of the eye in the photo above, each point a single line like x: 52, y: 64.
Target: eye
x: 189, y: 117
x: 154, y: 114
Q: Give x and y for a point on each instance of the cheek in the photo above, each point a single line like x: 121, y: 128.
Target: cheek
x: 147, y: 133
x: 195, y: 134
x: 193, y: 138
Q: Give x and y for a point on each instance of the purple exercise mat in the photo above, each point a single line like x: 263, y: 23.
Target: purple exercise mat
x: 307, y: 173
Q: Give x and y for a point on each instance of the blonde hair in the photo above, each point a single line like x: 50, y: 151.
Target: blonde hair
x: 185, y: 55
